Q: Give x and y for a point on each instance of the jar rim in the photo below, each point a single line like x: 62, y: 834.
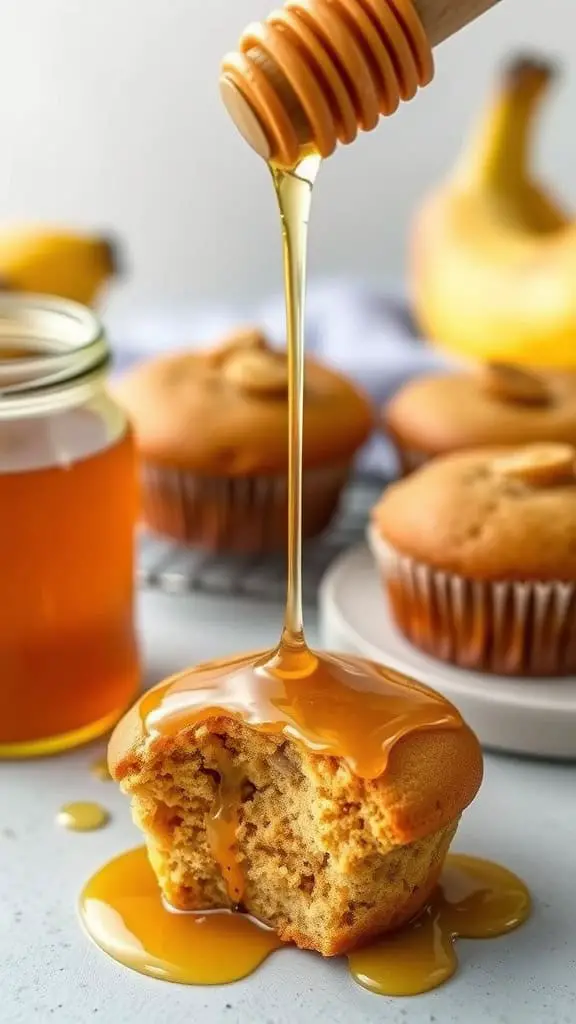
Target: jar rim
x: 48, y: 346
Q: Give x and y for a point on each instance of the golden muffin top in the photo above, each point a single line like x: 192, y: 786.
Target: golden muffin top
x: 488, y: 514
x: 225, y: 411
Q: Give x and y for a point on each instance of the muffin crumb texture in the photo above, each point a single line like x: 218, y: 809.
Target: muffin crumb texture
x: 325, y: 858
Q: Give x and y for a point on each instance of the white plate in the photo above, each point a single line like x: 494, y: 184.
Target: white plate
x: 525, y: 716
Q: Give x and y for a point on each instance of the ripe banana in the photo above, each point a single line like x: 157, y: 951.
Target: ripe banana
x: 493, y: 255
x: 56, y: 263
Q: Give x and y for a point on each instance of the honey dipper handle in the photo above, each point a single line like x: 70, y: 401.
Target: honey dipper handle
x: 443, y: 18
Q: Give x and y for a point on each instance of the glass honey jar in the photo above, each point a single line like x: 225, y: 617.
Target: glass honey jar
x: 68, y: 506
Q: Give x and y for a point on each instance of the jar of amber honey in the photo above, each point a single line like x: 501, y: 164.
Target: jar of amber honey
x: 68, y: 505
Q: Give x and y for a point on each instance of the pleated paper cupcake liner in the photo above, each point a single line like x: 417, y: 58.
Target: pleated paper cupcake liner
x: 245, y: 515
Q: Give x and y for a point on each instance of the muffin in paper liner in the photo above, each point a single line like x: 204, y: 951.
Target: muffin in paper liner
x: 243, y: 515
x: 212, y: 433
x: 501, y: 627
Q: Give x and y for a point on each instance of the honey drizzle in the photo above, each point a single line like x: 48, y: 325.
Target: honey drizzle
x: 475, y: 899
x: 82, y: 816
x: 294, y: 194
x: 123, y: 912
x: 222, y: 823
x: 343, y: 707
x: 339, y: 705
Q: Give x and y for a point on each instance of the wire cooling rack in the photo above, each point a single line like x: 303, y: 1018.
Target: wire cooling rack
x: 168, y: 567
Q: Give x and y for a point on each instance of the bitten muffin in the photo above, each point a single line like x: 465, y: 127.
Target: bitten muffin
x: 477, y: 552
x: 212, y: 432
x: 327, y: 858
x: 490, y: 405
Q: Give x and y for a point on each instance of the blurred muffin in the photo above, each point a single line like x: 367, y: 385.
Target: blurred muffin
x: 492, y: 405
x: 477, y: 552
x: 212, y: 432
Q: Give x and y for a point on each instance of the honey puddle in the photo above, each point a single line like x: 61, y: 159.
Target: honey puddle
x: 123, y: 912
x: 475, y: 899
x: 82, y: 816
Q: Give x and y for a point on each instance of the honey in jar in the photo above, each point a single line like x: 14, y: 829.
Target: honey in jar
x: 68, y: 503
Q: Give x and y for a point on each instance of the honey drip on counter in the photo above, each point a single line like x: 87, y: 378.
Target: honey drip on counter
x: 123, y: 912
x: 82, y: 816
x: 475, y: 899
x: 67, y: 643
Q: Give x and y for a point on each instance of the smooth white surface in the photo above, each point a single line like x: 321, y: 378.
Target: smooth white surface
x: 535, y: 716
x: 111, y: 119
x: 524, y: 817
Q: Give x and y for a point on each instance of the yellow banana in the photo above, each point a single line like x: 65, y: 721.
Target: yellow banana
x: 56, y: 263
x: 493, y: 256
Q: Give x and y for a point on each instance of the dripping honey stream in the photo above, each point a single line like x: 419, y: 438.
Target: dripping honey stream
x: 339, y: 705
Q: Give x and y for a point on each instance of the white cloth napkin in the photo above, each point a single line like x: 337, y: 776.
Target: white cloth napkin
x: 367, y: 334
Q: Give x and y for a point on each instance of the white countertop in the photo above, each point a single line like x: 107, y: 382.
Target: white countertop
x: 525, y: 817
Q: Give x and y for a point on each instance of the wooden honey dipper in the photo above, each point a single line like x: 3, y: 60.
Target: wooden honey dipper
x: 315, y: 72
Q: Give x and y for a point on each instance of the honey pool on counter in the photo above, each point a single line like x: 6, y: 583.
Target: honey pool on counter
x: 123, y: 912
x: 68, y: 504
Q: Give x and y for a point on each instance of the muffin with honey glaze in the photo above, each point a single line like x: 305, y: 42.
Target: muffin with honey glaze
x: 488, y: 405
x: 477, y: 552
x: 212, y: 432
x: 327, y: 813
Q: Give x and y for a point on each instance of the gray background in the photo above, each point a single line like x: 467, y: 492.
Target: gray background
x: 110, y: 117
